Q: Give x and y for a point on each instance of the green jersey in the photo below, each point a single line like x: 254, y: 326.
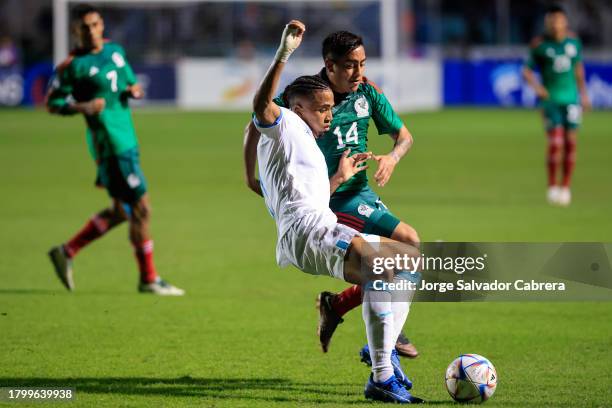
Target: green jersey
x: 106, y: 74
x: 556, y: 62
x: 349, y: 127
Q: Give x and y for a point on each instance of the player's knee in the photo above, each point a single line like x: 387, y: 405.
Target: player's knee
x: 555, y: 142
x: 146, y: 211
x: 115, y: 215
x: 555, y: 155
x: 141, y: 212
x: 119, y: 217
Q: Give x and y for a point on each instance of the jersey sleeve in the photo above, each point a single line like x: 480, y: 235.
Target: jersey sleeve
x: 272, y: 130
x: 60, y: 88
x: 385, y: 118
x: 578, y: 57
x: 127, y: 68
x: 279, y: 101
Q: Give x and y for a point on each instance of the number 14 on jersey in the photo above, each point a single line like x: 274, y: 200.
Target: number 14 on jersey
x: 352, y: 136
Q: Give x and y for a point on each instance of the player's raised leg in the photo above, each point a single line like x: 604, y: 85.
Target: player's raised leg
x: 332, y: 307
x: 61, y: 256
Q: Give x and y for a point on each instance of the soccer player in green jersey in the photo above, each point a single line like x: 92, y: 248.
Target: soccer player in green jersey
x: 557, y: 55
x: 96, y: 81
x: 357, y: 100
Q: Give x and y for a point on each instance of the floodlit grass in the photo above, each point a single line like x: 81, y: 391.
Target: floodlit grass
x: 244, y: 335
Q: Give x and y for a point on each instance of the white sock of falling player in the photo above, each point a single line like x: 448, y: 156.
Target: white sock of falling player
x: 378, y: 318
x: 400, y: 304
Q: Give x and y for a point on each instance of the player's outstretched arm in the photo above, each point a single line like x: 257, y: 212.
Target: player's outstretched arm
x: 89, y: 108
x: 57, y: 102
x: 386, y: 163
x: 251, y: 138
x: 266, y: 111
x: 61, y: 88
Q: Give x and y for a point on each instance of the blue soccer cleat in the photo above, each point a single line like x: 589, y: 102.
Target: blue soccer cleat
x: 395, y: 362
x: 389, y: 391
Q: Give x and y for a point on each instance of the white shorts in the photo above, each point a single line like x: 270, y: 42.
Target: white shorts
x: 319, y: 250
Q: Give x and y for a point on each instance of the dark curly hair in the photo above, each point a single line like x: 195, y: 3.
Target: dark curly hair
x: 303, y: 86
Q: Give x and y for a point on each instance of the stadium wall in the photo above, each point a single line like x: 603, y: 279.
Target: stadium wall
x: 28, y: 87
x: 499, y: 82
x: 410, y: 84
x: 230, y: 85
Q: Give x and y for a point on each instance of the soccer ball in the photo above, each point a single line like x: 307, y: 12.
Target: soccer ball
x: 471, y: 378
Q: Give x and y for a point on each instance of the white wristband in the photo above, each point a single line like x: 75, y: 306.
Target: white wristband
x: 289, y: 43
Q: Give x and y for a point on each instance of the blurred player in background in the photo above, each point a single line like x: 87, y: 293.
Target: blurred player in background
x: 557, y: 55
x: 96, y: 81
x: 357, y: 100
x: 296, y: 188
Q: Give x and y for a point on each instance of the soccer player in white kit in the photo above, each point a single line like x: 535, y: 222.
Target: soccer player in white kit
x: 297, y: 190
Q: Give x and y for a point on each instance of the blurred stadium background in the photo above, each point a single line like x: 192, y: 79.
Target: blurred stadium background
x: 426, y: 54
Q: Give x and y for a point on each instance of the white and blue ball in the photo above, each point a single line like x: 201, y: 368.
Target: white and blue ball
x: 471, y: 378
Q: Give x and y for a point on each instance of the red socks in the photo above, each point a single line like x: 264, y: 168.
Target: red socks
x: 144, y: 257
x: 347, y: 300
x: 569, y: 161
x: 94, y: 229
x: 555, y: 142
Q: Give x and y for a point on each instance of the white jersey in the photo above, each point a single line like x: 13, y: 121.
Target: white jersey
x: 293, y: 176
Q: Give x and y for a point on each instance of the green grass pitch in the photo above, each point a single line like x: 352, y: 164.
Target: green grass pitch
x: 244, y: 335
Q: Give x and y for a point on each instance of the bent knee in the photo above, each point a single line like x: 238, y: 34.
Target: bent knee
x: 141, y: 211
x: 116, y: 214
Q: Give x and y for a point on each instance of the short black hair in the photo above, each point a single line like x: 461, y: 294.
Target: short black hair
x: 304, y: 86
x: 555, y: 8
x: 82, y: 10
x: 338, y: 44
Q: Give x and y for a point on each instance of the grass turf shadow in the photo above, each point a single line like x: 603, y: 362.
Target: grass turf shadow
x: 263, y: 389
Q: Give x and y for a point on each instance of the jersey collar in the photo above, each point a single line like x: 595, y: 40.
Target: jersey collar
x: 338, y: 97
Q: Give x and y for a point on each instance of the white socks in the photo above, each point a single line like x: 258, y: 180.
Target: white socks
x: 378, y: 318
x: 384, y: 316
x: 401, y: 303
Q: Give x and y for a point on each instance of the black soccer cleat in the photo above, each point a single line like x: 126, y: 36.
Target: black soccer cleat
x: 62, y: 265
x: 405, y: 347
x: 328, y: 319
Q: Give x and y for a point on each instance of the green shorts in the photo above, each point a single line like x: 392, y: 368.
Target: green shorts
x: 364, y: 211
x: 566, y: 116
x: 122, y: 176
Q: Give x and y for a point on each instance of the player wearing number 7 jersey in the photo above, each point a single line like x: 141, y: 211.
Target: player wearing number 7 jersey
x: 357, y: 100
x: 96, y: 81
